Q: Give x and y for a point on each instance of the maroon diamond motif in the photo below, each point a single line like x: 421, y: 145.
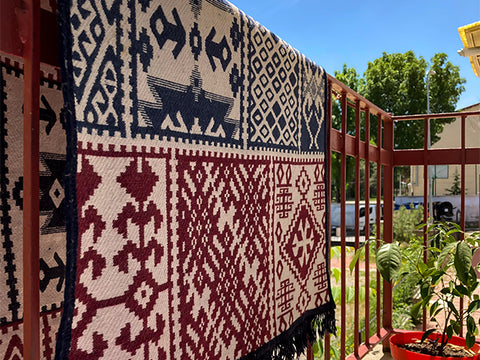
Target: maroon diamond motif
x: 139, y: 184
x: 303, y: 182
x: 142, y: 294
x: 300, y: 241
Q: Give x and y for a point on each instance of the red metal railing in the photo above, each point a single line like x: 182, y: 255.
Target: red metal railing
x: 27, y: 31
x: 20, y: 35
x: 31, y: 183
x: 462, y: 156
x: 384, y: 155
x: 353, y: 145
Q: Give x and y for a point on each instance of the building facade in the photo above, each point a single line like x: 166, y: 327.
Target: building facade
x: 444, y: 176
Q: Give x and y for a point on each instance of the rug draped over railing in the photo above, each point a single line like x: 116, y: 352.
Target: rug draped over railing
x: 52, y: 140
x: 196, y: 218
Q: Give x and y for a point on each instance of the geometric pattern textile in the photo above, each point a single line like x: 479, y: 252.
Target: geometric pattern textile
x: 52, y: 138
x: 198, y: 147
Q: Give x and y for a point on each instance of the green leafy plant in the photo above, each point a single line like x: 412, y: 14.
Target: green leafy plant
x: 405, y: 221
x: 448, y: 273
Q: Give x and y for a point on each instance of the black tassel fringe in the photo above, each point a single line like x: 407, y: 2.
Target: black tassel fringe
x: 293, y: 342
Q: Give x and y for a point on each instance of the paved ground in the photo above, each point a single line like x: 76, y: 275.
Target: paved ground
x: 377, y: 354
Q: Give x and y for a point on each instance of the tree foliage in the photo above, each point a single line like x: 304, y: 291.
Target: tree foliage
x: 397, y: 84
x: 351, y: 78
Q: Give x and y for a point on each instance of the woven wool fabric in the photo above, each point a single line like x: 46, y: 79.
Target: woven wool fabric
x: 52, y: 215
x: 199, y: 230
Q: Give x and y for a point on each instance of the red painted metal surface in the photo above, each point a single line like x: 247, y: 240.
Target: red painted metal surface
x: 462, y: 197
x: 435, y: 116
x: 387, y: 226
x: 458, y: 156
x: 339, y: 88
x: 367, y: 228
x: 337, y: 145
x: 462, y: 177
x: 329, y: 192
x: 13, y: 26
x: 379, y: 194
x: 366, y: 347
x: 356, y: 321
x: 343, y: 232
x: 352, y: 145
x: 29, y: 20
x: 425, y: 202
x: 437, y: 156
x: 9, y: 39
x: 309, y: 352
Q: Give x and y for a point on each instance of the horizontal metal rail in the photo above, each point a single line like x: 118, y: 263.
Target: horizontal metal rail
x: 435, y: 116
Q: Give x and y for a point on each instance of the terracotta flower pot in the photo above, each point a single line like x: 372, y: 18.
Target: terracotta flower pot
x: 409, y: 337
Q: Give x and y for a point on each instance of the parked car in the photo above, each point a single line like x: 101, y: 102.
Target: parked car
x: 350, y: 216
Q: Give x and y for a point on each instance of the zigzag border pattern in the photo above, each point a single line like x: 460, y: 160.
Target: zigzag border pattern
x: 5, y: 195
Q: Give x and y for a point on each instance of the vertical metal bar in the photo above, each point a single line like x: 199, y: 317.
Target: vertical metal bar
x: 9, y: 41
x: 462, y: 201
x: 343, y: 261
x: 31, y: 279
x: 309, y: 352
x: 425, y: 202
x: 388, y: 223
x: 462, y: 197
x: 356, y: 322
x: 367, y: 226
x: 379, y: 215
x: 343, y: 164
x: 326, y: 346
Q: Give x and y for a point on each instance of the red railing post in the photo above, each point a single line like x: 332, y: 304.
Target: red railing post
x: 367, y: 226
x: 328, y: 176
x: 388, y: 223
x: 379, y: 212
x: 309, y: 352
x: 29, y: 19
x: 426, y: 215
x: 10, y: 31
x: 343, y: 233
x: 462, y: 198
x: 356, y: 322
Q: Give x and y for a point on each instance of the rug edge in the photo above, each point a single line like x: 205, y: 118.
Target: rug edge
x: 295, y: 340
x: 65, y: 39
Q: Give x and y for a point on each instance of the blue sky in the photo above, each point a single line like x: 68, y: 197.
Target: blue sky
x: 332, y: 33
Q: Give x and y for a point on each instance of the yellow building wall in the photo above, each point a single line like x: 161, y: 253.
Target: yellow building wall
x: 450, y: 138
x: 442, y: 185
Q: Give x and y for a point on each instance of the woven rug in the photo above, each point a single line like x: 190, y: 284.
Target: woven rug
x: 52, y: 211
x: 199, y: 149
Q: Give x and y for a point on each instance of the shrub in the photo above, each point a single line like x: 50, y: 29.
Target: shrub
x: 404, y: 223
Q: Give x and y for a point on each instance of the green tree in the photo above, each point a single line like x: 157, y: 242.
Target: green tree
x: 456, y: 186
x: 397, y: 84
x: 351, y: 78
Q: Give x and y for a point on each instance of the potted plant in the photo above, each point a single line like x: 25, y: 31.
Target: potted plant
x: 448, y: 274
